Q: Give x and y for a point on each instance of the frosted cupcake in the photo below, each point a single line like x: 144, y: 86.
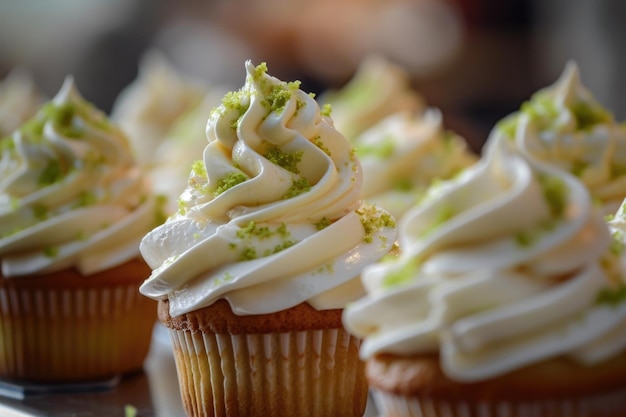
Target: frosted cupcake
x: 403, y: 154
x: 378, y: 89
x: 508, y: 299
x: 19, y: 100
x: 565, y: 126
x: 149, y: 107
x: 254, y: 269
x: 73, y: 209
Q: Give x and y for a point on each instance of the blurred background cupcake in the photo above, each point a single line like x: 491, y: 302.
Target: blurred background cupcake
x: 73, y: 207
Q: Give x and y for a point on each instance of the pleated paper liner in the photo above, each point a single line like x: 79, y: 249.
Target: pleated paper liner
x: 73, y: 334
x: 305, y: 373
x: 611, y: 404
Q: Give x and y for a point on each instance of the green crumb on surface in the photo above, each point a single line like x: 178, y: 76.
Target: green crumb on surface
x: 587, y: 116
x: 51, y: 174
x: 555, y: 193
x: 617, y: 243
x: 130, y: 411
x: 579, y: 167
x: 182, y: 206
x: 326, y: 109
x: 51, y: 251
x: 86, y: 198
x: 248, y: 254
x: 322, y: 223
x: 280, y: 247
x: 198, y: 169
x: 40, y: 211
x: 609, y: 217
x: 403, y: 185
x: 612, y: 296
x: 286, y: 160
x: 443, y: 215
x: 524, y: 239
x: 385, y: 148
x: 229, y: 181
x: 300, y: 186
x: 372, y: 222
x: 317, y: 141
x: 401, y: 276
x: 252, y: 230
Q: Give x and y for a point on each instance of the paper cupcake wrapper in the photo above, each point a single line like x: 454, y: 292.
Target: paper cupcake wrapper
x: 605, y: 405
x: 73, y: 334
x: 310, y: 373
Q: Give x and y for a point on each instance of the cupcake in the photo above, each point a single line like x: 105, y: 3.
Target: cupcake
x: 378, y: 89
x: 508, y: 299
x: 403, y: 154
x: 565, y: 126
x: 253, y: 271
x: 19, y: 100
x: 148, y: 108
x: 73, y: 209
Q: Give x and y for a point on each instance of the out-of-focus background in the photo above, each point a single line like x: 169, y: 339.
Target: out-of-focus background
x: 476, y: 60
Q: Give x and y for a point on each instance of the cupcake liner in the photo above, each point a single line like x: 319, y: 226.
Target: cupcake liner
x: 73, y: 334
x: 308, y: 373
x: 602, y: 405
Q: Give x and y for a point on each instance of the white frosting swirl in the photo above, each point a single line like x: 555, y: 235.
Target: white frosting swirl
x: 271, y: 217
x: 378, y: 89
x: 19, y: 100
x: 500, y: 268
x: 148, y: 108
x: 70, y: 193
x: 565, y: 126
x: 403, y: 154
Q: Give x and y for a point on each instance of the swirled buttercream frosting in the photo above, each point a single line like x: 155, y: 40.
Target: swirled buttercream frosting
x: 71, y: 194
x: 272, y: 215
x: 378, y: 89
x: 406, y: 152
x: 564, y: 125
x: 19, y: 100
x: 506, y: 265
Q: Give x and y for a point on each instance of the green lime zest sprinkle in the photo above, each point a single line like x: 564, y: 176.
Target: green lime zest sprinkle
x: 587, y: 115
x: 251, y: 229
x: 286, y: 160
x: 198, y: 169
x: 525, y: 238
x: 373, y: 221
x: 555, y: 193
x: 617, y: 244
x: 86, y: 198
x: 160, y: 215
x: 444, y: 214
x: 280, y: 247
x: 248, y: 254
x: 385, y: 148
x: 611, y: 296
x: 400, y: 276
x: 130, y: 411
x: 403, y: 185
x: 40, y: 211
x: 299, y: 186
x: 323, y: 223
x: 51, y: 174
x: 326, y: 110
x: 317, y: 141
x: 229, y: 181
x: 51, y: 251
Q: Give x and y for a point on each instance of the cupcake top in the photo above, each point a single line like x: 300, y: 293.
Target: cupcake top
x: 403, y: 154
x: 71, y: 194
x: 378, y: 89
x: 148, y: 108
x: 565, y: 126
x: 19, y: 100
x: 272, y: 215
x: 506, y: 265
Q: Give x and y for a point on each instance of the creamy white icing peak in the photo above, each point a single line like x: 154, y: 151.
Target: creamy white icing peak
x: 379, y: 88
x: 70, y: 192
x: 500, y: 268
x: 272, y: 215
x: 564, y: 125
x: 19, y: 100
x: 403, y: 154
x: 148, y: 107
